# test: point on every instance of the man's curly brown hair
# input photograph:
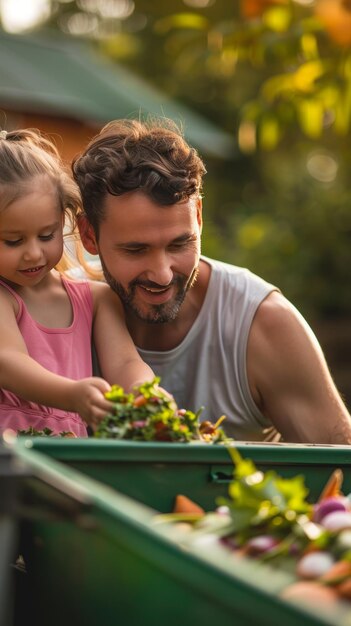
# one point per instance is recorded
(128, 155)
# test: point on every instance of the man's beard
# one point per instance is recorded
(159, 313)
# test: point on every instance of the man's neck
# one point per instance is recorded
(162, 337)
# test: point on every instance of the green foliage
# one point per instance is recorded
(286, 225)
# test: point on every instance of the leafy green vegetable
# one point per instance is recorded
(152, 415)
(46, 432)
(265, 503)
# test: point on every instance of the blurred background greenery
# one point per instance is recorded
(275, 75)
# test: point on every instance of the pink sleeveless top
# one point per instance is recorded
(64, 351)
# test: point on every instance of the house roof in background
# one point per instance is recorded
(58, 75)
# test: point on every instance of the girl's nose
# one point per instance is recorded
(32, 251)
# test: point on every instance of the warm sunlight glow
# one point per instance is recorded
(20, 15)
(323, 167)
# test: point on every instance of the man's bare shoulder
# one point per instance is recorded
(276, 315)
(280, 341)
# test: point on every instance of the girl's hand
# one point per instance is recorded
(89, 401)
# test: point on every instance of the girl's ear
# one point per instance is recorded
(87, 234)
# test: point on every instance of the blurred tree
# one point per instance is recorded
(259, 67)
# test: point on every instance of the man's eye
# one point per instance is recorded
(12, 243)
(180, 244)
(46, 237)
(133, 250)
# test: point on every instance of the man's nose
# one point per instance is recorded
(160, 269)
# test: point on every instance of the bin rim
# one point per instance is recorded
(179, 453)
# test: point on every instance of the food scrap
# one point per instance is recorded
(152, 415)
(269, 518)
(46, 432)
(149, 414)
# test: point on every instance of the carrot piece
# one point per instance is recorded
(332, 486)
(340, 571)
(345, 588)
(139, 401)
(183, 504)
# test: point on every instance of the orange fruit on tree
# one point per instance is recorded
(335, 15)
(255, 8)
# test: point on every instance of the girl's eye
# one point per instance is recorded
(12, 243)
(46, 237)
(17, 242)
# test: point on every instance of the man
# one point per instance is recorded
(219, 336)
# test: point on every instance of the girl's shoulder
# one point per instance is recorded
(103, 294)
(98, 288)
(79, 292)
(9, 298)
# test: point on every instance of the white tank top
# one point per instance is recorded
(208, 368)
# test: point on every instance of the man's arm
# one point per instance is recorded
(289, 377)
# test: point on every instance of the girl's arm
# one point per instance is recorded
(26, 378)
(118, 357)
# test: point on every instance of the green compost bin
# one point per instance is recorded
(11, 473)
(94, 556)
(154, 473)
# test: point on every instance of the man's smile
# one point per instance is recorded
(154, 295)
(155, 289)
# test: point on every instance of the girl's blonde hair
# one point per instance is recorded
(26, 154)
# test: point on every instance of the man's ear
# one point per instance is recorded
(87, 234)
(199, 212)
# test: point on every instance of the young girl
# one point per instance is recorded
(47, 320)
